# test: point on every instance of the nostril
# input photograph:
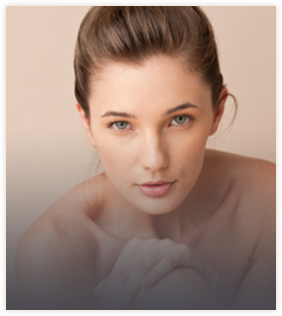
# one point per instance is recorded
(153, 155)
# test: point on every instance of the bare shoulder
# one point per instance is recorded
(251, 189)
(239, 161)
(58, 243)
(253, 186)
(251, 212)
(66, 217)
(255, 176)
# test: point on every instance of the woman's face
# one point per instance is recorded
(150, 124)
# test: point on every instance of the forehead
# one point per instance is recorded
(160, 80)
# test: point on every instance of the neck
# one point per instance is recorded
(142, 225)
(123, 220)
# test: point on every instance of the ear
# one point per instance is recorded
(86, 124)
(218, 113)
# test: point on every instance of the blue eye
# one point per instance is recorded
(180, 120)
(120, 125)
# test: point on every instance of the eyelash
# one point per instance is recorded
(187, 117)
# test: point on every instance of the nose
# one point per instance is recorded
(154, 153)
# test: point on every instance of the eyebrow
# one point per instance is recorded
(123, 114)
(168, 112)
(180, 107)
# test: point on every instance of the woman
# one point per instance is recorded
(168, 224)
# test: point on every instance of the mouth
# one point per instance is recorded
(156, 189)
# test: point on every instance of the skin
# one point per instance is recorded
(221, 206)
(153, 146)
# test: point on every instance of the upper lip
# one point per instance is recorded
(156, 182)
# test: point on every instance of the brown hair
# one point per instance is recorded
(132, 34)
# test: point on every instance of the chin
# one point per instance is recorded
(158, 206)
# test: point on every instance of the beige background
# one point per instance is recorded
(47, 151)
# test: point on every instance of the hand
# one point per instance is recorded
(143, 262)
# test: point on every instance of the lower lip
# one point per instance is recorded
(156, 190)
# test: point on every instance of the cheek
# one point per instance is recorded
(192, 158)
(190, 145)
(115, 158)
(188, 157)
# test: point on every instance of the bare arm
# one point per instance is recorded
(258, 287)
(38, 280)
(182, 289)
(56, 253)
(173, 287)
(50, 271)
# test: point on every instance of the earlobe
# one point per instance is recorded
(86, 124)
(218, 113)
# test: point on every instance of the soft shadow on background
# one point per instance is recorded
(47, 151)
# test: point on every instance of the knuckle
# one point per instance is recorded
(154, 274)
(134, 240)
(153, 241)
(183, 248)
(119, 273)
(170, 261)
(167, 242)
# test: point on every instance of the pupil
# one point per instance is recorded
(121, 124)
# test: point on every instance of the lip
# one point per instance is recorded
(156, 188)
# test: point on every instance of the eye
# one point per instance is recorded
(120, 125)
(180, 120)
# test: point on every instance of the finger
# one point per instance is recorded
(118, 295)
(124, 280)
(98, 290)
(126, 256)
(107, 293)
(178, 256)
(119, 289)
(197, 261)
(166, 265)
(202, 265)
(127, 286)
